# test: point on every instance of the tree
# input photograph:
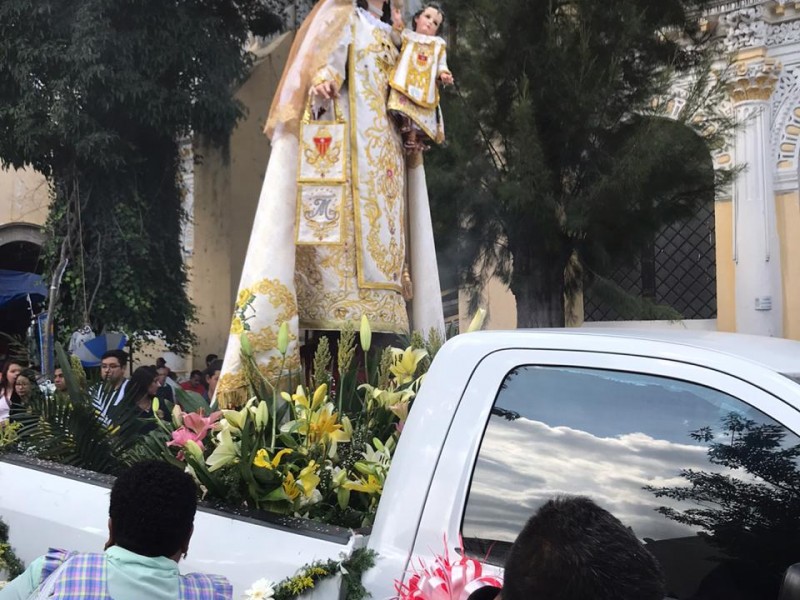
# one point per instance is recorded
(751, 510)
(96, 95)
(560, 162)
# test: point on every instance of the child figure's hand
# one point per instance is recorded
(397, 18)
(447, 78)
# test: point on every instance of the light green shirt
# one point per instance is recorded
(130, 577)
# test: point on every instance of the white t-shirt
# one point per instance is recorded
(102, 404)
(5, 407)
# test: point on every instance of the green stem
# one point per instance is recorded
(275, 393)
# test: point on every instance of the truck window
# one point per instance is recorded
(710, 484)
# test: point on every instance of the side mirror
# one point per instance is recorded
(790, 589)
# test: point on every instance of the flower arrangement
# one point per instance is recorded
(446, 579)
(307, 577)
(321, 450)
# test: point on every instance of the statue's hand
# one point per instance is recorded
(447, 78)
(326, 89)
(397, 19)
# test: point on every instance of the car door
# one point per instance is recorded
(651, 440)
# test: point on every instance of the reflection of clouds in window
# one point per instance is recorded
(523, 463)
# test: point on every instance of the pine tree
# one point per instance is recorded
(96, 94)
(561, 163)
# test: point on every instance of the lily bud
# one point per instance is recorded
(244, 343)
(192, 449)
(365, 333)
(477, 321)
(156, 405)
(283, 338)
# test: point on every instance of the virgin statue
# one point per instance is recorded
(324, 252)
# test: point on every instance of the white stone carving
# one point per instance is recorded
(744, 28)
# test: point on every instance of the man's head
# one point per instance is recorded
(212, 376)
(161, 362)
(196, 378)
(572, 549)
(210, 358)
(58, 380)
(112, 366)
(163, 372)
(152, 510)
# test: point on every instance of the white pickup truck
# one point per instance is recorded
(692, 439)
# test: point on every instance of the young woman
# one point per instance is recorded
(10, 372)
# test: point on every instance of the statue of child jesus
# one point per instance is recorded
(414, 96)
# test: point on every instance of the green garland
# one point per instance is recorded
(307, 577)
(9, 561)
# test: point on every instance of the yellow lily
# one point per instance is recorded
(405, 363)
(306, 482)
(371, 486)
(263, 460)
(324, 426)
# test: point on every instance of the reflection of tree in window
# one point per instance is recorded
(753, 518)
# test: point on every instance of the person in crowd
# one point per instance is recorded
(210, 358)
(112, 390)
(212, 378)
(59, 381)
(24, 387)
(572, 549)
(164, 391)
(195, 384)
(11, 369)
(142, 552)
(143, 387)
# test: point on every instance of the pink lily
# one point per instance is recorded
(199, 424)
(182, 435)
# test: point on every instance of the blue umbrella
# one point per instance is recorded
(91, 350)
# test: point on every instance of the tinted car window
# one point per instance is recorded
(709, 484)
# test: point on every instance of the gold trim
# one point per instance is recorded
(334, 325)
(423, 104)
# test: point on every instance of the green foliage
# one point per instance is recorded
(65, 428)
(95, 94)
(309, 576)
(559, 145)
(9, 561)
(750, 512)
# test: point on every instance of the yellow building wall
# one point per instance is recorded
(227, 184)
(788, 216)
(24, 197)
(726, 272)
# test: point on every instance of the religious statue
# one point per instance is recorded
(343, 224)
(414, 97)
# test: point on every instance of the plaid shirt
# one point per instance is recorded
(74, 576)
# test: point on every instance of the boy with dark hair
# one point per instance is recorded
(572, 549)
(143, 549)
(112, 389)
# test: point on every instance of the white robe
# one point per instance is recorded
(384, 206)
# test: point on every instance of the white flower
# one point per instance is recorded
(261, 589)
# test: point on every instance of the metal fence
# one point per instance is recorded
(677, 269)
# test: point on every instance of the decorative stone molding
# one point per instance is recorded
(744, 28)
(21, 232)
(754, 81)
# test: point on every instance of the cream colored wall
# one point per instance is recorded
(226, 189)
(499, 302)
(788, 216)
(24, 197)
(726, 275)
